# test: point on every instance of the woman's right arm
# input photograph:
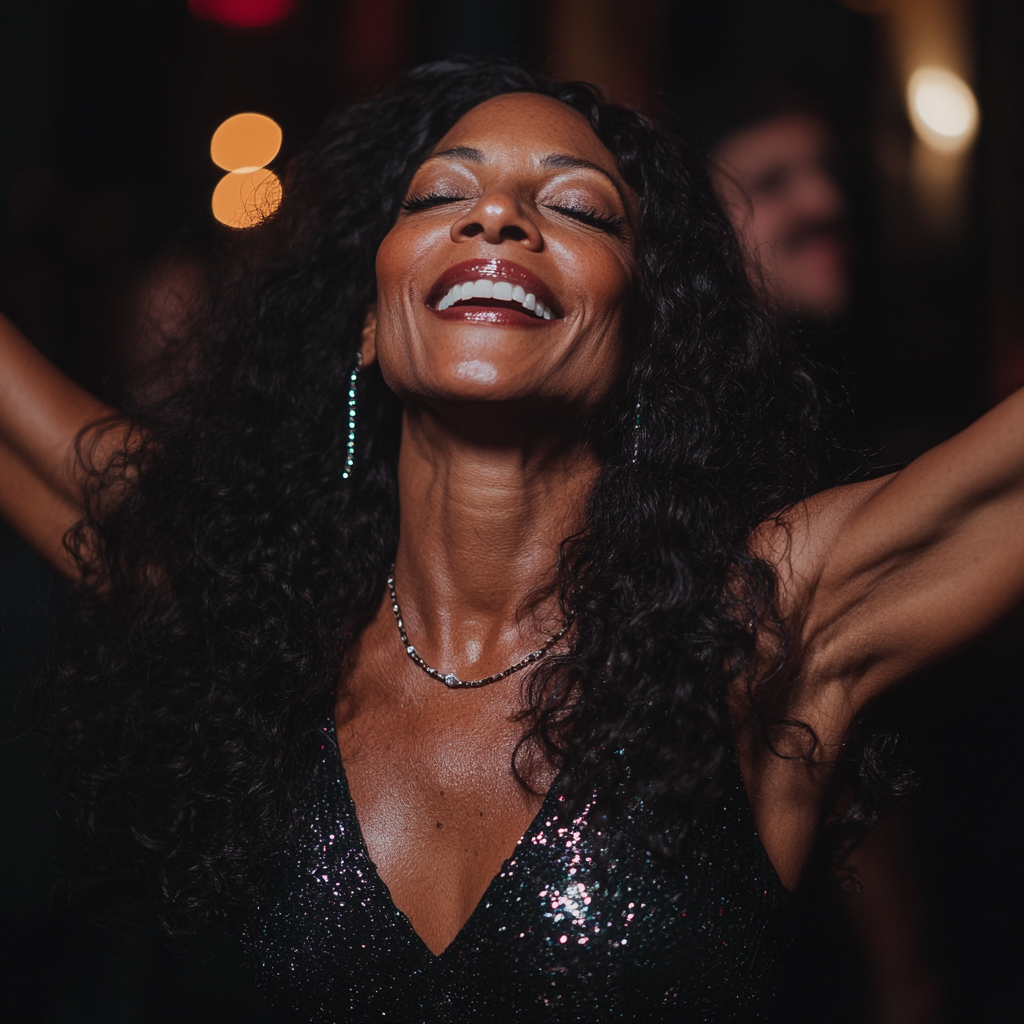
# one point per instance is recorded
(42, 413)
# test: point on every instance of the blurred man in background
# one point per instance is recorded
(775, 178)
(773, 163)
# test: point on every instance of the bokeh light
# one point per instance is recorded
(242, 13)
(243, 199)
(245, 142)
(942, 109)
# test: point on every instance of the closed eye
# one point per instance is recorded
(612, 225)
(413, 204)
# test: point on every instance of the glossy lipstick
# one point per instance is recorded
(492, 291)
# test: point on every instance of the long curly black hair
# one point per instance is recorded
(227, 564)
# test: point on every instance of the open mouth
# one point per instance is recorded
(493, 295)
(496, 291)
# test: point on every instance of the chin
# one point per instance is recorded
(468, 367)
(470, 379)
(476, 373)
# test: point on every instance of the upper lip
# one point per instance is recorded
(495, 270)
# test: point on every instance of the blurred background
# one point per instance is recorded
(871, 154)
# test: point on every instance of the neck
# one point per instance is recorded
(482, 518)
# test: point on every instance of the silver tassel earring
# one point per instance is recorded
(350, 452)
(636, 434)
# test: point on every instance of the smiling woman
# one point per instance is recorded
(519, 697)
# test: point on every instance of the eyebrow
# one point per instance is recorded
(467, 153)
(560, 161)
(551, 162)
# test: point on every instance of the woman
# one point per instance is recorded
(573, 473)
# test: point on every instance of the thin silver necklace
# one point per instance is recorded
(450, 679)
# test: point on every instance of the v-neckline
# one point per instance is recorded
(542, 812)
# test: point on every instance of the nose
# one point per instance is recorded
(821, 194)
(498, 217)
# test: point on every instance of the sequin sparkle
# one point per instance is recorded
(579, 925)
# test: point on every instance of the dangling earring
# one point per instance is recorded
(350, 454)
(636, 434)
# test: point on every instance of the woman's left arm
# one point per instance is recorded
(880, 579)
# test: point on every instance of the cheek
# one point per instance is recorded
(772, 220)
(388, 268)
(403, 265)
(608, 289)
(598, 275)
(606, 285)
(392, 271)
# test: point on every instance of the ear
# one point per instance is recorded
(368, 346)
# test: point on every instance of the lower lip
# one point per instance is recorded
(490, 315)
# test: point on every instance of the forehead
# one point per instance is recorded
(788, 138)
(524, 125)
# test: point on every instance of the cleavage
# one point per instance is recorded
(438, 806)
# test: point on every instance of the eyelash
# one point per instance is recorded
(612, 225)
(413, 204)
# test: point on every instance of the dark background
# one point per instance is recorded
(107, 109)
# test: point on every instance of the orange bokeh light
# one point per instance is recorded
(243, 199)
(245, 142)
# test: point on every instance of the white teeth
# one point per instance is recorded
(502, 291)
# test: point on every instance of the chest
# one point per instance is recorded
(438, 804)
(578, 923)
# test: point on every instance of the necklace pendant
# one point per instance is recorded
(450, 679)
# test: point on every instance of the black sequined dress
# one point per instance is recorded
(552, 939)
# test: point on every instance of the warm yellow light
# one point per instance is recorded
(245, 142)
(242, 199)
(942, 109)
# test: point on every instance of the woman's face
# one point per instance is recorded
(506, 274)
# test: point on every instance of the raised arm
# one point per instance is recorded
(882, 578)
(42, 413)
